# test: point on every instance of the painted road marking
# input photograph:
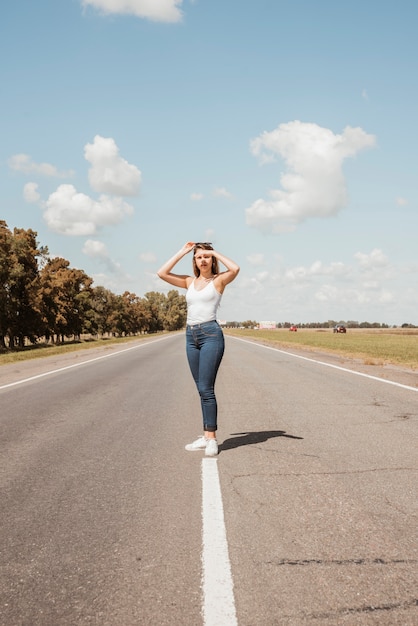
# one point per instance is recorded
(217, 585)
(337, 367)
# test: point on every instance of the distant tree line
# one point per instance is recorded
(332, 323)
(327, 324)
(44, 298)
(348, 324)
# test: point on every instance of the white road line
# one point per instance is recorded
(217, 585)
(337, 367)
(68, 367)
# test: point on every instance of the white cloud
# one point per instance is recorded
(369, 262)
(196, 197)
(72, 213)
(109, 172)
(23, 163)
(97, 250)
(401, 201)
(112, 280)
(313, 183)
(318, 268)
(327, 293)
(221, 192)
(256, 259)
(156, 10)
(361, 296)
(262, 277)
(369, 288)
(386, 297)
(30, 192)
(320, 291)
(210, 235)
(148, 257)
(365, 95)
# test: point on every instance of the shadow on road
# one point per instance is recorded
(249, 438)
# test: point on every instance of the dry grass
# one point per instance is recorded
(375, 347)
(43, 349)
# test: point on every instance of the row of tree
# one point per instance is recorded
(327, 324)
(44, 298)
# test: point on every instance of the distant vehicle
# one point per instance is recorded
(339, 328)
(294, 328)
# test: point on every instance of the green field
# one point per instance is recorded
(374, 347)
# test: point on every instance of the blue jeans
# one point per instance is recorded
(205, 346)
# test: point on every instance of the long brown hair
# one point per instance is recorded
(204, 246)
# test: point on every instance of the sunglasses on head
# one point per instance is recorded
(204, 243)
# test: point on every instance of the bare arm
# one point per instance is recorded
(178, 280)
(224, 278)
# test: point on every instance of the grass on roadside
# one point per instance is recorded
(47, 349)
(374, 347)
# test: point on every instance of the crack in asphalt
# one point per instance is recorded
(403, 417)
(340, 473)
(392, 606)
(360, 561)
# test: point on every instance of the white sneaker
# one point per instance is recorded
(211, 447)
(199, 444)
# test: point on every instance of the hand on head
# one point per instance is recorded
(188, 246)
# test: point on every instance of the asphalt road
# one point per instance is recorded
(101, 506)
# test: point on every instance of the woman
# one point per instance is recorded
(204, 336)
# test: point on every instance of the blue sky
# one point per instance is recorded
(284, 132)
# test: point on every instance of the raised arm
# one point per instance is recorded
(224, 278)
(165, 273)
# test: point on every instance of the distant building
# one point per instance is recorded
(267, 325)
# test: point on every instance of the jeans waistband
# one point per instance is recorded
(202, 325)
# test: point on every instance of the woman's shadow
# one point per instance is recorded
(249, 438)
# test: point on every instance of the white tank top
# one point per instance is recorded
(202, 304)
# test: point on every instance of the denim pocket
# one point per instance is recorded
(211, 329)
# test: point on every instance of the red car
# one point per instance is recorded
(294, 328)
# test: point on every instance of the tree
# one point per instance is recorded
(141, 315)
(5, 267)
(175, 313)
(99, 317)
(19, 302)
(155, 304)
(136, 314)
(249, 324)
(66, 299)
